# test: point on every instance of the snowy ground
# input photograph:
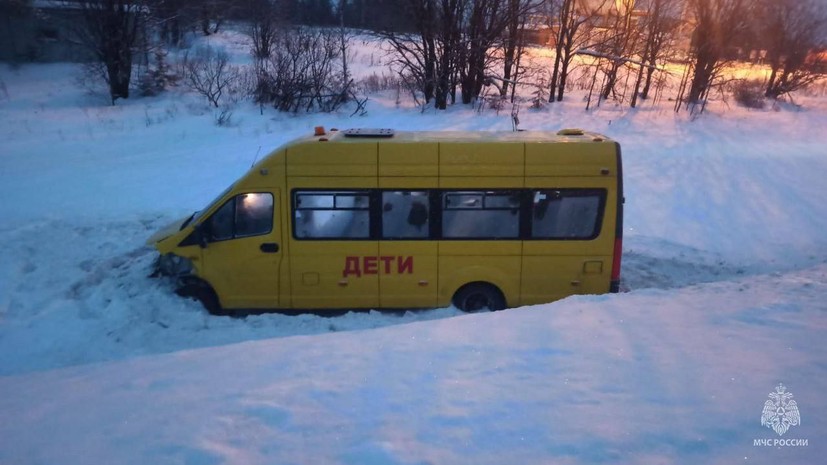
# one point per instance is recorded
(650, 376)
(725, 256)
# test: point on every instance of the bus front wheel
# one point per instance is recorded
(478, 296)
(202, 292)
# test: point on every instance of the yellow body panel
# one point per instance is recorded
(241, 275)
(369, 272)
(320, 277)
(415, 182)
(470, 182)
(327, 159)
(487, 159)
(414, 289)
(552, 277)
(414, 159)
(571, 159)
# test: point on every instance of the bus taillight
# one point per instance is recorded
(615, 284)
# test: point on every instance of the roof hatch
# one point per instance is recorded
(368, 132)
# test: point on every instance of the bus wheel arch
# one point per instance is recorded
(477, 295)
(203, 292)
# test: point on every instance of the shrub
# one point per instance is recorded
(377, 83)
(749, 93)
(302, 73)
(157, 76)
(209, 73)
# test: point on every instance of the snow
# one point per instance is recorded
(644, 377)
(725, 260)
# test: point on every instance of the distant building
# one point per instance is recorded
(603, 16)
(537, 30)
(41, 30)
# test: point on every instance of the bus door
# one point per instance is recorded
(243, 250)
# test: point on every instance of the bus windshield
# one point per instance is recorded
(199, 213)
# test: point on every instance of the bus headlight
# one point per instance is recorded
(174, 265)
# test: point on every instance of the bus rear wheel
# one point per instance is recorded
(478, 296)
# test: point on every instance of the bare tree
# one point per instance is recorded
(520, 14)
(112, 30)
(451, 49)
(301, 73)
(793, 30)
(345, 36)
(172, 18)
(661, 21)
(264, 26)
(454, 45)
(717, 23)
(570, 21)
(212, 14)
(430, 57)
(485, 25)
(210, 73)
(513, 44)
(619, 44)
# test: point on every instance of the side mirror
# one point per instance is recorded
(200, 236)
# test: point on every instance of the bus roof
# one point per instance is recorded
(363, 135)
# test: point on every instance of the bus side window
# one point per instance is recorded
(405, 215)
(253, 214)
(331, 215)
(480, 215)
(567, 213)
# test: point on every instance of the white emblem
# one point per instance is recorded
(781, 411)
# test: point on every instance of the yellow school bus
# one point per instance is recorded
(376, 218)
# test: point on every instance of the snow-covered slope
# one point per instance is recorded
(724, 256)
(644, 377)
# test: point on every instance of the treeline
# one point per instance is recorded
(180, 16)
(464, 45)
(450, 51)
